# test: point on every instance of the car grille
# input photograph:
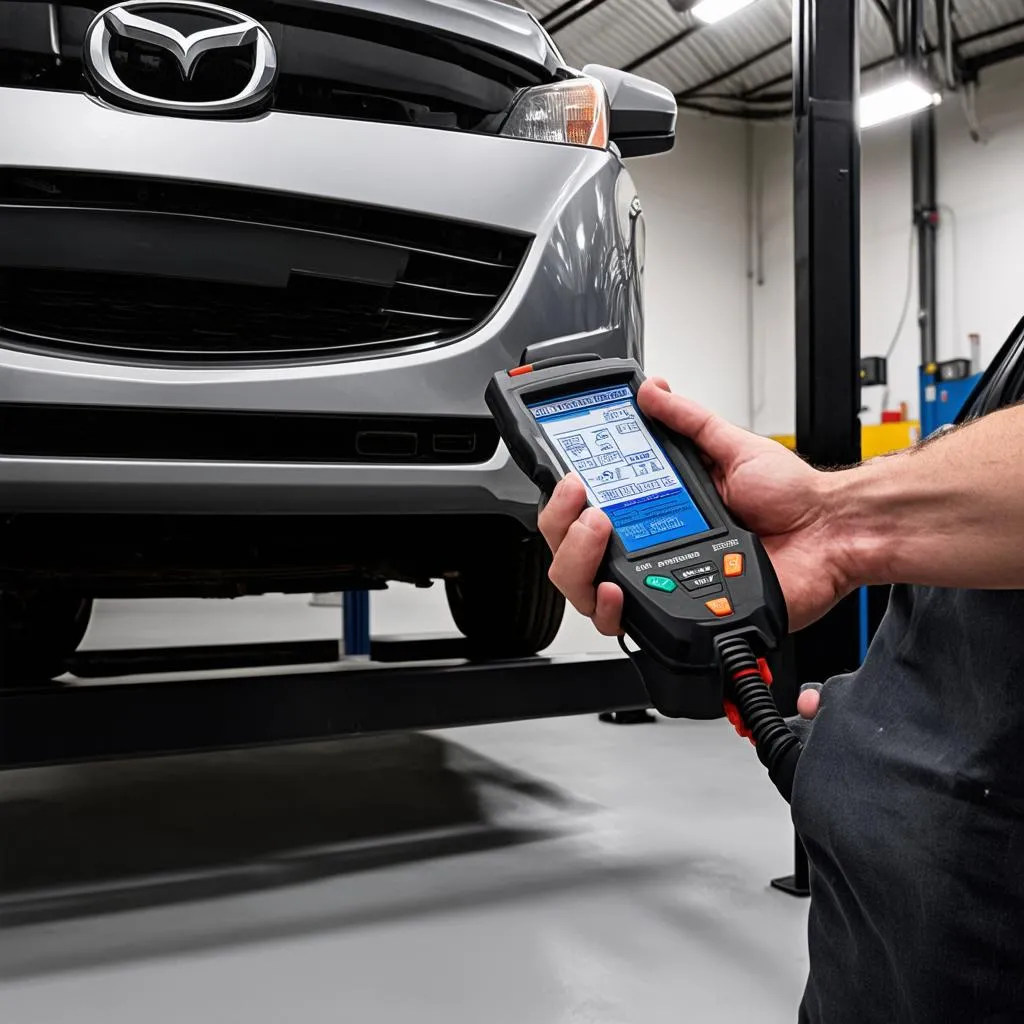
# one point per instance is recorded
(110, 432)
(333, 62)
(444, 278)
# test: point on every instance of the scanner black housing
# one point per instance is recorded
(675, 630)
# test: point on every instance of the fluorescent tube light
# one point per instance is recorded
(710, 11)
(898, 99)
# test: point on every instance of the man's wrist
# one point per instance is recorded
(859, 528)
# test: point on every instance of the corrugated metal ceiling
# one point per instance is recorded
(746, 52)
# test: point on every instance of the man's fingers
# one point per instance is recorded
(578, 558)
(562, 510)
(808, 702)
(717, 437)
(607, 615)
(578, 536)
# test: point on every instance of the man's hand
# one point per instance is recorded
(771, 490)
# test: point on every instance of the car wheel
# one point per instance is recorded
(38, 633)
(507, 607)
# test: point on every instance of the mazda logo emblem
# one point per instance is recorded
(230, 30)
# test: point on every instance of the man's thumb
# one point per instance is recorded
(720, 440)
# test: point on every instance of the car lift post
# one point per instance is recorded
(826, 209)
(355, 623)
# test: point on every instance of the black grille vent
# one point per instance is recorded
(108, 432)
(450, 279)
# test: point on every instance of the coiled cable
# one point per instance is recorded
(778, 749)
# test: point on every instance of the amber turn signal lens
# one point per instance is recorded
(574, 112)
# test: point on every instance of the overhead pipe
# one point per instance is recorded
(890, 21)
(924, 197)
(993, 57)
(926, 222)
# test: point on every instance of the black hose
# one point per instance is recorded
(777, 748)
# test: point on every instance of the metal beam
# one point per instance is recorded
(546, 19)
(988, 33)
(662, 47)
(557, 26)
(741, 115)
(730, 72)
(975, 37)
(771, 97)
(777, 80)
(105, 721)
(972, 65)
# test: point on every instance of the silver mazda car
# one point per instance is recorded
(257, 266)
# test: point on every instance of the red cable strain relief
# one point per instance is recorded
(736, 720)
(733, 713)
(747, 672)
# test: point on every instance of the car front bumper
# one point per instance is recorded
(567, 297)
(121, 485)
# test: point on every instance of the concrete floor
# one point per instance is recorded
(558, 871)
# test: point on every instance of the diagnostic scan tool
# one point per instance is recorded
(701, 599)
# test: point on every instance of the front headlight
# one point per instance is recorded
(574, 112)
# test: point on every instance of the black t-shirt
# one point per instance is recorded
(910, 800)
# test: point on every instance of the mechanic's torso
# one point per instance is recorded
(910, 800)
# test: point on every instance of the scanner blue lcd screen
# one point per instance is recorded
(602, 436)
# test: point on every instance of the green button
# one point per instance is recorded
(661, 583)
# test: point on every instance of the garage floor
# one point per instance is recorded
(529, 873)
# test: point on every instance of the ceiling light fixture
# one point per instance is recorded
(897, 99)
(710, 11)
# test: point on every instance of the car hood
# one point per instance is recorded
(497, 26)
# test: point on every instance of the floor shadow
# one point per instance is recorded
(97, 838)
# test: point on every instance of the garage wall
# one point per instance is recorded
(979, 268)
(694, 206)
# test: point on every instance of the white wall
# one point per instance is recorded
(979, 276)
(694, 201)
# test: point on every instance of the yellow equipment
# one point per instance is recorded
(875, 439)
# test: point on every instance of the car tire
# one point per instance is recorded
(507, 607)
(38, 634)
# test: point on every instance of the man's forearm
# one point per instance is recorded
(948, 513)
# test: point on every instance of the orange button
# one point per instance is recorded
(520, 370)
(720, 606)
(732, 565)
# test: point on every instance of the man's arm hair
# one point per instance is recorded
(948, 512)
